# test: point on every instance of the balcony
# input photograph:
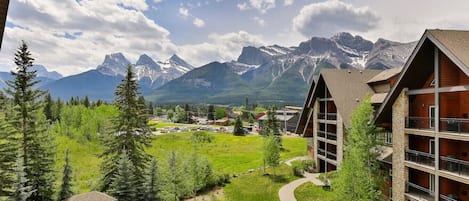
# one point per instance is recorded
(331, 136)
(420, 157)
(322, 134)
(448, 198)
(327, 116)
(419, 122)
(321, 152)
(454, 125)
(419, 192)
(453, 165)
(331, 156)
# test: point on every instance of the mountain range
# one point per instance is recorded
(267, 74)
(273, 74)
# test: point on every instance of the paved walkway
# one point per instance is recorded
(287, 192)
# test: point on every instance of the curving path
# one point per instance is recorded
(287, 192)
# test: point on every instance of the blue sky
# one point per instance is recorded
(72, 36)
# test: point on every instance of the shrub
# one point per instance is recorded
(201, 137)
(309, 166)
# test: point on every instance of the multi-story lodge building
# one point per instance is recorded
(330, 102)
(428, 112)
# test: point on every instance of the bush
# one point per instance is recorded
(327, 177)
(297, 168)
(309, 166)
(201, 137)
(298, 171)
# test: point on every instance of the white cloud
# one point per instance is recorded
(243, 6)
(259, 21)
(220, 47)
(199, 23)
(183, 11)
(261, 5)
(288, 2)
(330, 17)
(70, 36)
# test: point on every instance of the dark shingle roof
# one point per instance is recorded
(348, 88)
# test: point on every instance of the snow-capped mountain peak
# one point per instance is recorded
(114, 64)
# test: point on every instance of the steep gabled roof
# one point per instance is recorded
(347, 88)
(385, 75)
(304, 113)
(3, 17)
(453, 43)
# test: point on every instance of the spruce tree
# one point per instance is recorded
(66, 187)
(8, 148)
(86, 102)
(29, 121)
(211, 113)
(124, 186)
(238, 127)
(48, 105)
(359, 176)
(153, 185)
(21, 189)
(130, 132)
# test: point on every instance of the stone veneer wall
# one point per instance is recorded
(315, 133)
(400, 110)
(340, 139)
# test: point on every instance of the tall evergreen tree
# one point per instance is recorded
(29, 120)
(130, 132)
(48, 107)
(66, 187)
(151, 110)
(8, 148)
(153, 185)
(211, 113)
(21, 189)
(238, 127)
(86, 101)
(123, 186)
(359, 176)
(187, 114)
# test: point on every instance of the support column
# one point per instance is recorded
(315, 133)
(437, 123)
(340, 139)
(400, 111)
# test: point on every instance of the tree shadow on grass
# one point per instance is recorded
(278, 178)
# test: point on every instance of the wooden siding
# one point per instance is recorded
(450, 74)
(454, 148)
(420, 178)
(419, 143)
(450, 187)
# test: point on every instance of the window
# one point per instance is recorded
(431, 146)
(388, 137)
(432, 183)
(431, 115)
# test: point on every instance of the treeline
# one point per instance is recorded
(30, 120)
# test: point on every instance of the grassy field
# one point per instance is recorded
(228, 154)
(311, 192)
(163, 124)
(257, 187)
